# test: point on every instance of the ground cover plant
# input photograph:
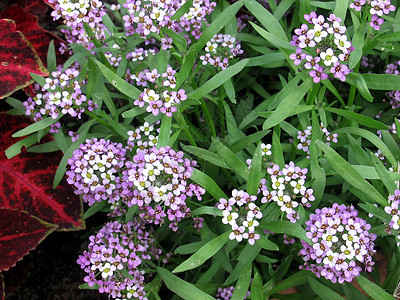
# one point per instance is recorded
(238, 149)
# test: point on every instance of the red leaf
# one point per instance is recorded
(49, 4)
(19, 233)
(36, 7)
(17, 60)
(26, 182)
(2, 293)
(38, 37)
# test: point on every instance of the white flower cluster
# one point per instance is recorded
(304, 138)
(77, 7)
(145, 136)
(241, 214)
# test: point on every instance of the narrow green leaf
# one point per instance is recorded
(266, 19)
(247, 140)
(44, 148)
(341, 8)
(203, 254)
(130, 213)
(36, 127)
(232, 160)
(382, 82)
(96, 207)
(375, 291)
(277, 152)
(207, 155)
(361, 119)
(51, 58)
(243, 283)
(217, 80)
(131, 113)
(189, 248)
(358, 44)
(348, 173)
(16, 148)
(256, 287)
(266, 244)
(207, 210)
(359, 82)
(288, 105)
(266, 59)
(373, 139)
(273, 39)
(120, 84)
(230, 90)
(383, 173)
(323, 291)
(288, 228)
(296, 279)
(165, 132)
(181, 287)
(255, 172)
(208, 183)
(182, 10)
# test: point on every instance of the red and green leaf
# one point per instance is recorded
(17, 59)
(38, 37)
(20, 232)
(36, 7)
(26, 182)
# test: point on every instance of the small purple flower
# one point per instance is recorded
(318, 74)
(376, 22)
(298, 56)
(339, 71)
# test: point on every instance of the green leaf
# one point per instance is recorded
(382, 82)
(36, 127)
(348, 173)
(182, 10)
(120, 84)
(266, 59)
(44, 148)
(131, 212)
(254, 178)
(288, 104)
(247, 140)
(165, 132)
(341, 9)
(375, 291)
(243, 283)
(383, 173)
(296, 279)
(360, 119)
(51, 58)
(203, 254)
(358, 44)
(208, 184)
(217, 80)
(359, 82)
(16, 148)
(256, 287)
(266, 19)
(189, 248)
(96, 207)
(207, 210)
(274, 40)
(181, 287)
(373, 139)
(232, 160)
(323, 291)
(131, 113)
(289, 228)
(230, 90)
(266, 244)
(277, 152)
(207, 155)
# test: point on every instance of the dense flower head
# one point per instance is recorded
(304, 138)
(147, 17)
(393, 211)
(94, 167)
(227, 292)
(75, 14)
(115, 251)
(394, 96)
(157, 180)
(287, 187)
(322, 47)
(340, 243)
(159, 94)
(61, 95)
(220, 49)
(241, 213)
(143, 137)
(375, 9)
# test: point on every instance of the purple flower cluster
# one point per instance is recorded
(304, 138)
(322, 43)
(75, 14)
(375, 8)
(61, 95)
(393, 68)
(220, 49)
(115, 257)
(241, 213)
(157, 181)
(341, 241)
(147, 17)
(287, 187)
(227, 292)
(159, 94)
(146, 136)
(94, 168)
(394, 212)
